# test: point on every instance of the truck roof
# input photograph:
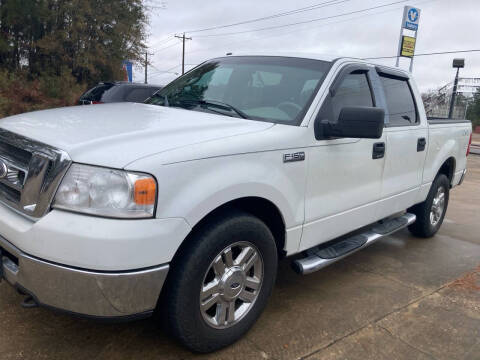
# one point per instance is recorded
(315, 56)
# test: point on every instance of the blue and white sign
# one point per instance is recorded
(411, 18)
(127, 67)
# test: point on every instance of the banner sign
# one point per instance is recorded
(411, 18)
(128, 70)
(408, 46)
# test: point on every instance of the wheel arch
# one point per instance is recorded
(448, 168)
(260, 207)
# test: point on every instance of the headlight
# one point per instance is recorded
(107, 192)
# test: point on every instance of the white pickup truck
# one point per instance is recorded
(186, 203)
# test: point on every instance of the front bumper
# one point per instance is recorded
(95, 294)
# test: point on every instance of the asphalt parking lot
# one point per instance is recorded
(401, 298)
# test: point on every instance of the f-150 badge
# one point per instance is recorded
(298, 156)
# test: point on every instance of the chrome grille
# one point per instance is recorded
(34, 171)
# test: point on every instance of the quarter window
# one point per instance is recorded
(353, 91)
(401, 108)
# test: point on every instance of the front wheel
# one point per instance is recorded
(431, 212)
(221, 281)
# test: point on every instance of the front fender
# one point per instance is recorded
(193, 189)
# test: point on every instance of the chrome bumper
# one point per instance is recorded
(88, 293)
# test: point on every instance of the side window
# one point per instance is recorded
(354, 90)
(400, 104)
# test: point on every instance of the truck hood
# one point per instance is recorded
(115, 135)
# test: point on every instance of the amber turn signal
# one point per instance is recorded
(145, 192)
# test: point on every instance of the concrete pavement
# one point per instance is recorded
(401, 298)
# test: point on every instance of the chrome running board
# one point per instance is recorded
(321, 256)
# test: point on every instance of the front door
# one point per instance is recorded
(344, 179)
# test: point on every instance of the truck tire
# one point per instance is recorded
(220, 282)
(431, 212)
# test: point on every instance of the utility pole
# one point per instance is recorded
(458, 64)
(183, 38)
(146, 66)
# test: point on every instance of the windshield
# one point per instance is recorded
(274, 89)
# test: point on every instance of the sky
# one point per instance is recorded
(445, 25)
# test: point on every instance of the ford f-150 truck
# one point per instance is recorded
(184, 205)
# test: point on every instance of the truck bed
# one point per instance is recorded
(437, 121)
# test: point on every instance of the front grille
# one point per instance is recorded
(10, 193)
(19, 155)
(34, 171)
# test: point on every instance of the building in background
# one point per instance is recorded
(437, 102)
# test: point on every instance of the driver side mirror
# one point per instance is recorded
(359, 122)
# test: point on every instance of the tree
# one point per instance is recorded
(473, 111)
(88, 39)
(52, 50)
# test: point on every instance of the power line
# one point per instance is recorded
(164, 41)
(172, 68)
(157, 69)
(287, 13)
(306, 21)
(426, 54)
(277, 34)
(291, 12)
(166, 47)
(163, 73)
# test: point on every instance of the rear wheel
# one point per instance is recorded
(431, 212)
(221, 281)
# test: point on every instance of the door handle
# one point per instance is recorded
(421, 143)
(378, 150)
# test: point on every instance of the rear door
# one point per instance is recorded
(406, 143)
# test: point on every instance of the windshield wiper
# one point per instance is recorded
(220, 104)
(204, 104)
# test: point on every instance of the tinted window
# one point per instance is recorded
(400, 104)
(354, 90)
(108, 93)
(275, 89)
(96, 93)
(139, 94)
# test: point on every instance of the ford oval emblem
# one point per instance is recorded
(3, 170)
